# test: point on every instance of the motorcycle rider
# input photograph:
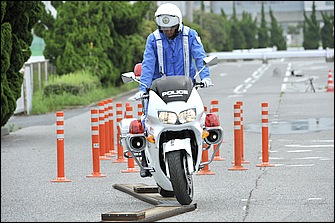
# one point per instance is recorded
(172, 49)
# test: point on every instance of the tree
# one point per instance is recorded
(104, 37)
(263, 36)
(276, 38)
(214, 34)
(227, 42)
(327, 31)
(311, 31)
(249, 29)
(236, 33)
(17, 21)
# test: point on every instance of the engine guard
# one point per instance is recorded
(213, 154)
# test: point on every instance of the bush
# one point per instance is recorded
(59, 89)
(72, 90)
(77, 83)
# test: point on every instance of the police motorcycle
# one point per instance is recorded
(172, 133)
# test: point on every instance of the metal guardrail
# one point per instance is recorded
(265, 54)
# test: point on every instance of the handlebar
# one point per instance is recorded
(144, 96)
(200, 84)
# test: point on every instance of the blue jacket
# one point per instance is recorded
(173, 57)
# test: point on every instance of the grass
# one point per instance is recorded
(11, 127)
(91, 92)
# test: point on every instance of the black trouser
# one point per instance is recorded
(144, 160)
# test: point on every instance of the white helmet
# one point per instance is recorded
(168, 15)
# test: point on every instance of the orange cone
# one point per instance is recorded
(330, 85)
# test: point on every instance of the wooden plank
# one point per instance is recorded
(145, 189)
(156, 213)
(123, 216)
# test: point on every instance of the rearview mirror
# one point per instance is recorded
(211, 60)
(208, 61)
(128, 77)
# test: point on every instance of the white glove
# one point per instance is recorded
(139, 95)
(207, 82)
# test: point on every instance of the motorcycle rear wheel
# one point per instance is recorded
(180, 177)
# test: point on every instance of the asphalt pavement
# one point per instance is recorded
(299, 188)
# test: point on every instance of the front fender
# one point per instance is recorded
(180, 144)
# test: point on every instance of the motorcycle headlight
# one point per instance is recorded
(167, 117)
(187, 116)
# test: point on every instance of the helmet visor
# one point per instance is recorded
(166, 22)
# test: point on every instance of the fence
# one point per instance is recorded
(36, 72)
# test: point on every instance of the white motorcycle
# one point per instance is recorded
(169, 139)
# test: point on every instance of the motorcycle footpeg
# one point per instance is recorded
(145, 172)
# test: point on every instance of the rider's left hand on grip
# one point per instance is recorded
(139, 95)
(207, 82)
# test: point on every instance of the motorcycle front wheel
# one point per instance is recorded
(165, 193)
(180, 177)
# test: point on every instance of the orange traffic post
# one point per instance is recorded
(242, 135)
(107, 131)
(128, 111)
(120, 156)
(237, 139)
(111, 126)
(330, 83)
(102, 133)
(60, 148)
(204, 158)
(265, 136)
(131, 165)
(95, 144)
(131, 162)
(215, 109)
(139, 111)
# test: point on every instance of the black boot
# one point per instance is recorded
(144, 172)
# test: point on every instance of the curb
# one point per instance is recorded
(4, 131)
